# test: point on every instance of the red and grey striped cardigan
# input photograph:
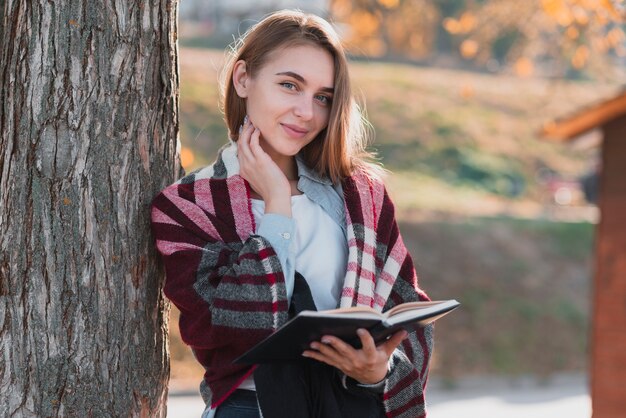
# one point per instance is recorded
(229, 285)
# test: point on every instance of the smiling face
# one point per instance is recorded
(289, 97)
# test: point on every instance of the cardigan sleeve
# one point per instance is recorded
(279, 231)
(230, 294)
(404, 387)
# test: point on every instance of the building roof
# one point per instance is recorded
(586, 119)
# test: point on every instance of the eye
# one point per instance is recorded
(288, 85)
(325, 100)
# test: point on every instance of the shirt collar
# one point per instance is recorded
(304, 170)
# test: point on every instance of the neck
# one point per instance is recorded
(286, 163)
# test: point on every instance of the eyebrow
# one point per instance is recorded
(302, 80)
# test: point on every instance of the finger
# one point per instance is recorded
(316, 355)
(392, 343)
(255, 147)
(341, 347)
(244, 145)
(245, 128)
(369, 346)
(328, 351)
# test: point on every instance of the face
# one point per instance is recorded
(289, 98)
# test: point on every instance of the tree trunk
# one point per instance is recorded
(88, 134)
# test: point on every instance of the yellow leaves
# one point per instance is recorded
(365, 33)
(599, 44)
(601, 19)
(363, 23)
(581, 55)
(580, 12)
(551, 7)
(467, 91)
(467, 21)
(610, 8)
(417, 41)
(615, 37)
(389, 4)
(524, 67)
(374, 47)
(186, 157)
(464, 24)
(564, 17)
(580, 15)
(340, 7)
(585, 24)
(558, 10)
(572, 32)
(469, 48)
(452, 25)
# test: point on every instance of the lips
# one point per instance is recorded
(294, 131)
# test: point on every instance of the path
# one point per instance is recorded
(562, 396)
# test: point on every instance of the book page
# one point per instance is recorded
(410, 306)
(354, 312)
(353, 309)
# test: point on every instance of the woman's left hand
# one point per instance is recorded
(367, 365)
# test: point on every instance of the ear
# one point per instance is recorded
(240, 78)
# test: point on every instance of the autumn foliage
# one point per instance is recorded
(546, 37)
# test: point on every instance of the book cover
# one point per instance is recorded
(289, 341)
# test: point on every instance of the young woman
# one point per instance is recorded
(290, 216)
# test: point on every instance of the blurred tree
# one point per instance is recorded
(560, 37)
(556, 37)
(389, 28)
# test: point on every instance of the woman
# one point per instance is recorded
(290, 216)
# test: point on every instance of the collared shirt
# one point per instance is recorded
(279, 230)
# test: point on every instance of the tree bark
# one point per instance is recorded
(88, 135)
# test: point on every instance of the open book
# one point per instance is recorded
(289, 341)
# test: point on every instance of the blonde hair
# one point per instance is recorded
(339, 149)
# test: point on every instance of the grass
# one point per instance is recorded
(524, 289)
(523, 286)
(470, 131)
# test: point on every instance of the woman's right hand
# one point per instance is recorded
(263, 174)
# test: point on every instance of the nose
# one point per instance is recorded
(303, 108)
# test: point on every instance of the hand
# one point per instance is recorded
(263, 174)
(367, 365)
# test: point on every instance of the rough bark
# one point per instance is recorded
(88, 134)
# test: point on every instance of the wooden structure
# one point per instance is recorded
(608, 343)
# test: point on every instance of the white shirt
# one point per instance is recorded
(318, 250)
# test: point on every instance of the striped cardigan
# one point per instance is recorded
(229, 286)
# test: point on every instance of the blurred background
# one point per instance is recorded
(495, 215)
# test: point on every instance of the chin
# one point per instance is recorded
(288, 148)
(289, 152)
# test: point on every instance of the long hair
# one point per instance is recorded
(339, 149)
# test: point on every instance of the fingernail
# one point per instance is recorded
(245, 120)
(305, 354)
(314, 346)
(326, 340)
(240, 129)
